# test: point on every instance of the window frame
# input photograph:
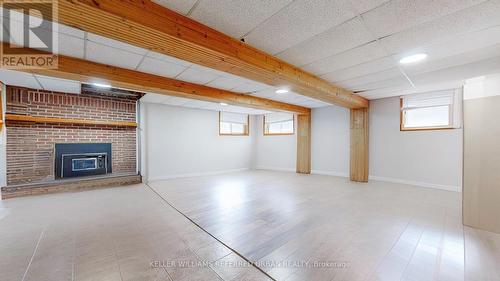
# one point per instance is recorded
(247, 127)
(277, 134)
(402, 128)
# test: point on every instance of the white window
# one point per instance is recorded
(278, 124)
(233, 124)
(431, 111)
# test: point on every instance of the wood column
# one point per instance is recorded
(359, 145)
(304, 143)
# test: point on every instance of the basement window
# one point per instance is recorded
(431, 111)
(278, 124)
(233, 124)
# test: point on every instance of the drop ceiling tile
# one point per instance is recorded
(153, 98)
(16, 78)
(360, 70)
(370, 78)
(340, 38)
(460, 72)
(359, 55)
(71, 46)
(169, 59)
(196, 76)
(115, 44)
(398, 15)
(226, 83)
(159, 67)
(236, 18)
(180, 6)
(476, 18)
(59, 85)
(399, 81)
(249, 87)
(71, 31)
(112, 56)
(440, 62)
(297, 22)
(363, 6)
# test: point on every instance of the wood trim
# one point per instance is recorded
(403, 129)
(55, 120)
(283, 134)
(247, 133)
(148, 25)
(88, 72)
(359, 147)
(304, 143)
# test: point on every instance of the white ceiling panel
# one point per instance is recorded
(180, 6)
(399, 81)
(249, 87)
(238, 17)
(343, 37)
(112, 56)
(71, 31)
(71, 46)
(359, 55)
(461, 72)
(21, 79)
(159, 67)
(371, 78)
(362, 6)
(59, 85)
(475, 18)
(196, 76)
(169, 59)
(297, 22)
(398, 15)
(115, 44)
(360, 70)
(226, 83)
(453, 60)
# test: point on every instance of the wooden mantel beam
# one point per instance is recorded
(90, 72)
(146, 24)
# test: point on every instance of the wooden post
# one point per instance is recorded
(304, 143)
(359, 145)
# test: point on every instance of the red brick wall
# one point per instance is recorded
(30, 146)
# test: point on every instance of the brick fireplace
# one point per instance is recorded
(37, 120)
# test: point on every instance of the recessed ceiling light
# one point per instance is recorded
(413, 58)
(282, 91)
(223, 104)
(101, 85)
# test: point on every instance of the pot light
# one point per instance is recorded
(101, 85)
(223, 104)
(413, 58)
(282, 91)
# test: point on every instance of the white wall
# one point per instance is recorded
(179, 141)
(274, 152)
(3, 139)
(330, 141)
(426, 158)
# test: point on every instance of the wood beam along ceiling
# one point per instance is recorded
(148, 25)
(89, 72)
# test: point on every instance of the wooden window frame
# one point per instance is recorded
(279, 134)
(247, 129)
(430, 128)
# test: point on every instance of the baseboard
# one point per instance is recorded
(275, 169)
(187, 175)
(330, 173)
(416, 183)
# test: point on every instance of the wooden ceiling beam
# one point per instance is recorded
(90, 72)
(148, 25)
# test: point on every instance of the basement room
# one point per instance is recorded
(199, 140)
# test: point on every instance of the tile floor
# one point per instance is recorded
(295, 227)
